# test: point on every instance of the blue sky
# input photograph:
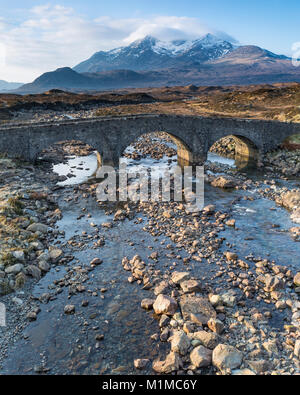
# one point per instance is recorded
(37, 36)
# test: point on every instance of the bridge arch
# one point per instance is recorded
(184, 152)
(246, 152)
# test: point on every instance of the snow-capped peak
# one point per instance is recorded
(175, 47)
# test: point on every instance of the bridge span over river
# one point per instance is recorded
(193, 136)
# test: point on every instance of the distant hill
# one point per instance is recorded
(68, 79)
(6, 86)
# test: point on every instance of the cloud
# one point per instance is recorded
(55, 36)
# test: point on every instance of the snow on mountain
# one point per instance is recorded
(150, 53)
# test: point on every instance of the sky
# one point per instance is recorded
(40, 36)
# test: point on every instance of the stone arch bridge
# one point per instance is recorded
(194, 136)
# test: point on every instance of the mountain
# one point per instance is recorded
(150, 62)
(5, 86)
(152, 54)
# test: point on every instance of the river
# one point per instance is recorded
(67, 344)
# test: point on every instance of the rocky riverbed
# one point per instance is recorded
(150, 287)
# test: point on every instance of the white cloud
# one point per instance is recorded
(56, 36)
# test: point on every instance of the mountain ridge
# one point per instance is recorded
(152, 63)
(150, 53)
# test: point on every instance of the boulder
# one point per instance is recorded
(147, 304)
(196, 309)
(226, 357)
(19, 256)
(171, 364)
(55, 255)
(179, 277)
(34, 272)
(141, 363)
(201, 357)
(37, 227)
(180, 342)
(207, 339)
(14, 269)
(165, 305)
(223, 182)
(190, 286)
(297, 280)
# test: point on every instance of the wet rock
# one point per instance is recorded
(171, 364)
(295, 216)
(37, 227)
(180, 342)
(14, 269)
(273, 283)
(34, 272)
(190, 286)
(295, 233)
(226, 357)
(290, 200)
(165, 305)
(162, 288)
(19, 256)
(96, 262)
(69, 309)
(164, 335)
(164, 321)
(32, 316)
(141, 363)
(178, 277)
(147, 304)
(223, 182)
(231, 256)
(107, 225)
(55, 255)
(20, 280)
(210, 209)
(201, 357)
(119, 215)
(44, 266)
(154, 256)
(44, 257)
(297, 280)
(4, 287)
(198, 308)
(231, 222)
